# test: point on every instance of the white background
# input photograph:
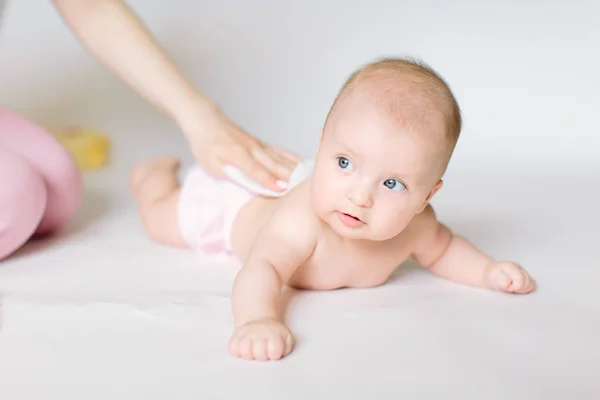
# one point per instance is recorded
(100, 312)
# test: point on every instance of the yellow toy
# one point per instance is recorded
(88, 147)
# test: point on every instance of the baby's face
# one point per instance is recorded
(371, 176)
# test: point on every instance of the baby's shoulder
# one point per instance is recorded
(294, 212)
(423, 225)
(290, 229)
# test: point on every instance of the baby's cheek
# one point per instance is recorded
(386, 229)
(326, 194)
(318, 193)
(390, 221)
(322, 180)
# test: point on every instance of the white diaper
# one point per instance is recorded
(208, 206)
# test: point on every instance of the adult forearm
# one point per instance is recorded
(118, 39)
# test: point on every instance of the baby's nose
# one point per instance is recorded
(361, 197)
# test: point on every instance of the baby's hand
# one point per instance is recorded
(509, 277)
(264, 339)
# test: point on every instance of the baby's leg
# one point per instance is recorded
(156, 188)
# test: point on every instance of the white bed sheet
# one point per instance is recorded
(104, 313)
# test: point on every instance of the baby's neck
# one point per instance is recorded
(360, 244)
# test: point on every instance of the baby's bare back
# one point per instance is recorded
(334, 263)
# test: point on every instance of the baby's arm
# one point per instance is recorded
(286, 241)
(453, 257)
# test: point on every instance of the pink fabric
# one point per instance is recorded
(63, 179)
(23, 198)
(41, 187)
(207, 210)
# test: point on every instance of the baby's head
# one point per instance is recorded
(384, 148)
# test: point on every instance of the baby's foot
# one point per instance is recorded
(509, 277)
(142, 171)
(261, 340)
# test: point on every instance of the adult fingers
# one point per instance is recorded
(287, 155)
(241, 158)
(277, 165)
(283, 157)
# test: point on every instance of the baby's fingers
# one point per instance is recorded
(518, 281)
(289, 344)
(532, 284)
(528, 285)
(246, 350)
(275, 348)
(501, 281)
(234, 345)
(259, 349)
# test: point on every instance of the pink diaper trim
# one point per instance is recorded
(207, 210)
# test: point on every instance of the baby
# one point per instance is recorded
(363, 210)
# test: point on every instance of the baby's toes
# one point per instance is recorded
(136, 177)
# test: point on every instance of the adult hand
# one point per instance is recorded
(216, 141)
(132, 54)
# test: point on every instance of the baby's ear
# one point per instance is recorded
(437, 187)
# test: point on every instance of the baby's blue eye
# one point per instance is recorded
(394, 184)
(344, 163)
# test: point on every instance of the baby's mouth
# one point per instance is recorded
(352, 216)
(350, 220)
